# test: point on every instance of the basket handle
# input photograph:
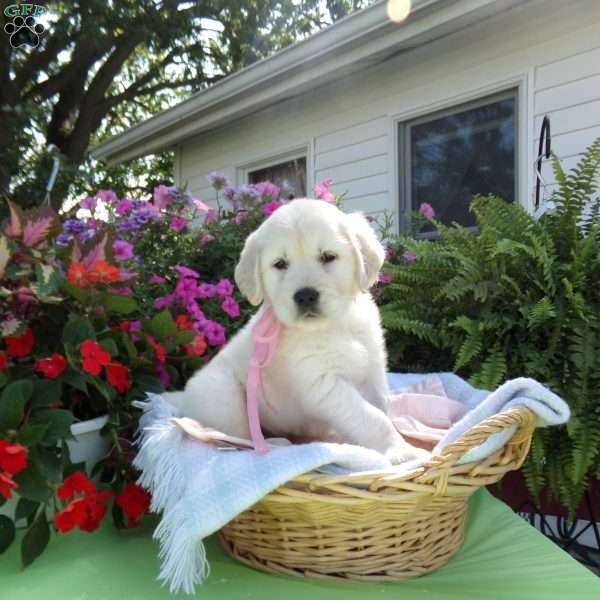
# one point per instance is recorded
(522, 417)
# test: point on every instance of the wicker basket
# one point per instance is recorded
(375, 526)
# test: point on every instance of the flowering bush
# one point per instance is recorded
(118, 298)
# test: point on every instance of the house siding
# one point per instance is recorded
(550, 50)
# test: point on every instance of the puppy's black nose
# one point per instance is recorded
(306, 298)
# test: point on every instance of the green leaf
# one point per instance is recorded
(58, 421)
(119, 304)
(148, 383)
(25, 508)
(76, 380)
(12, 403)
(7, 533)
(46, 392)
(3, 380)
(50, 461)
(32, 484)
(184, 337)
(5, 254)
(36, 539)
(163, 326)
(47, 280)
(30, 435)
(129, 346)
(110, 346)
(75, 292)
(107, 391)
(77, 330)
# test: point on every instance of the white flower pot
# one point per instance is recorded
(88, 446)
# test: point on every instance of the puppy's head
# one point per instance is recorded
(309, 260)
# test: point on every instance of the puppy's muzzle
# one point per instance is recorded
(307, 301)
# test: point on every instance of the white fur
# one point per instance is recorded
(327, 378)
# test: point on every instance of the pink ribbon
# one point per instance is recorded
(265, 335)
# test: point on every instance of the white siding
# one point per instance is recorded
(550, 49)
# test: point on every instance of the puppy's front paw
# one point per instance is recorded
(406, 453)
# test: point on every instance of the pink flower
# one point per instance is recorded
(178, 223)
(409, 257)
(186, 272)
(212, 216)
(224, 287)
(206, 239)
(271, 207)
(427, 210)
(200, 205)
(207, 290)
(389, 253)
(164, 301)
(384, 278)
(268, 189)
(322, 190)
(89, 203)
(124, 207)
(107, 196)
(162, 196)
(156, 279)
(240, 217)
(163, 375)
(123, 250)
(231, 307)
(214, 333)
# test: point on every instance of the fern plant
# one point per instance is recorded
(519, 297)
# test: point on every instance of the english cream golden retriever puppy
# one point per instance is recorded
(314, 265)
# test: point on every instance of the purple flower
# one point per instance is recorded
(409, 257)
(270, 208)
(140, 217)
(74, 226)
(384, 278)
(178, 223)
(231, 307)
(207, 290)
(214, 333)
(107, 196)
(88, 234)
(163, 196)
(212, 216)
(164, 301)
(224, 287)
(122, 291)
(64, 239)
(124, 207)
(196, 313)
(268, 189)
(135, 326)
(389, 252)
(163, 375)
(89, 203)
(246, 195)
(206, 239)
(186, 272)
(240, 217)
(156, 279)
(123, 250)
(218, 180)
(427, 210)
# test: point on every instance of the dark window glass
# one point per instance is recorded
(458, 155)
(290, 176)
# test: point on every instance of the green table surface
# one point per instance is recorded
(503, 558)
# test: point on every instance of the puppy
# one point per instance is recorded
(327, 381)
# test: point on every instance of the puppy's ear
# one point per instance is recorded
(369, 253)
(247, 272)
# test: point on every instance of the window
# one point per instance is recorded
(449, 157)
(290, 176)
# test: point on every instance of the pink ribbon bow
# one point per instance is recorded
(266, 335)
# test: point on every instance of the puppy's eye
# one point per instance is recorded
(327, 257)
(281, 264)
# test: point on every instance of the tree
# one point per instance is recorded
(101, 67)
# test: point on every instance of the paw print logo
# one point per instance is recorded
(24, 32)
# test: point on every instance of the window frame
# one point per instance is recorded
(403, 129)
(271, 160)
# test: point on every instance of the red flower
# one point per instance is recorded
(77, 483)
(159, 349)
(135, 502)
(13, 457)
(7, 485)
(77, 274)
(103, 272)
(183, 323)
(124, 326)
(52, 367)
(197, 347)
(86, 512)
(94, 358)
(3, 361)
(20, 345)
(118, 376)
